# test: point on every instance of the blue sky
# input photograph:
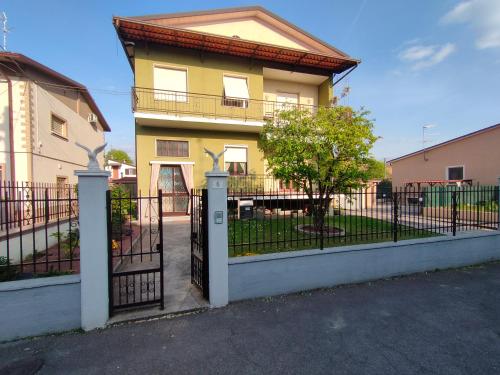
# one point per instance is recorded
(423, 62)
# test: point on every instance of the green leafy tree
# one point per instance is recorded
(118, 155)
(376, 169)
(322, 152)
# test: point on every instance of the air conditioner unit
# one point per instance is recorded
(92, 118)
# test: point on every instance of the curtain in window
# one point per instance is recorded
(153, 189)
(187, 174)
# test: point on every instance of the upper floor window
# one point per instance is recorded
(170, 84)
(287, 101)
(58, 126)
(172, 148)
(456, 173)
(235, 160)
(236, 92)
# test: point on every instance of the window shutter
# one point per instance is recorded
(236, 87)
(170, 84)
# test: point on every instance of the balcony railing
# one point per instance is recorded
(259, 184)
(207, 106)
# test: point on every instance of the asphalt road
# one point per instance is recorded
(437, 323)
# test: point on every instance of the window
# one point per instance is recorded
(170, 84)
(287, 101)
(172, 148)
(61, 183)
(456, 173)
(58, 126)
(235, 92)
(129, 171)
(235, 160)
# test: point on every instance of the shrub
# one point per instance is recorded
(69, 241)
(122, 208)
(7, 273)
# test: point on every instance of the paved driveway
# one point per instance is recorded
(438, 323)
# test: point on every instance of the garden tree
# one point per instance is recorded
(322, 152)
(118, 155)
(376, 169)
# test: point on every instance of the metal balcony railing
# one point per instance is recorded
(207, 106)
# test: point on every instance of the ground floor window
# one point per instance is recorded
(236, 168)
(235, 160)
(172, 148)
(456, 173)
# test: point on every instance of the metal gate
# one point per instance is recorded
(199, 240)
(135, 250)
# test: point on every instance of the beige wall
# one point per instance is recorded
(60, 157)
(250, 29)
(308, 94)
(20, 112)
(71, 98)
(39, 155)
(479, 154)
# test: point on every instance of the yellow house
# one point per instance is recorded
(211, 79)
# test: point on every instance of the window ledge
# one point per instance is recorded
(60, 136)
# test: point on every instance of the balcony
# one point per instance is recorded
(155, 107)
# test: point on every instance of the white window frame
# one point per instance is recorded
(64, 126)
(237, 146)
(235, 102)
(163, 94)
(455, 166)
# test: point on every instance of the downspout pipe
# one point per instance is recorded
(12, 156)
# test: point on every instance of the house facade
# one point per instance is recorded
(472, 158)
(42, 114)
(210, 80)
(120, 170)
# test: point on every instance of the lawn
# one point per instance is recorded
(278, 234)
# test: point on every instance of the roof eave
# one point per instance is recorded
(46, 70)
(241, 9)
(349, 62)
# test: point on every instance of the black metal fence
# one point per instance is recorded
(39, 233)
(266, 222)
(135, 250)
(199, 240)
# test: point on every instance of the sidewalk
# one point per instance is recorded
(437, 323)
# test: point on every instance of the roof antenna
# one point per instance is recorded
(5, 30)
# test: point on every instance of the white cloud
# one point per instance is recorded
(422, 56)
(417, 53)
(483, 16)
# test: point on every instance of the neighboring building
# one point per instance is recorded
(120, 170)
(211, 79)
(474, 157)
(42, 114)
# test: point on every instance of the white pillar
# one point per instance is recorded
(92, 186)
(217, 238)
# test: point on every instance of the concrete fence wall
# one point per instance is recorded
(29, 241)
(39, 306)
(280, 273)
